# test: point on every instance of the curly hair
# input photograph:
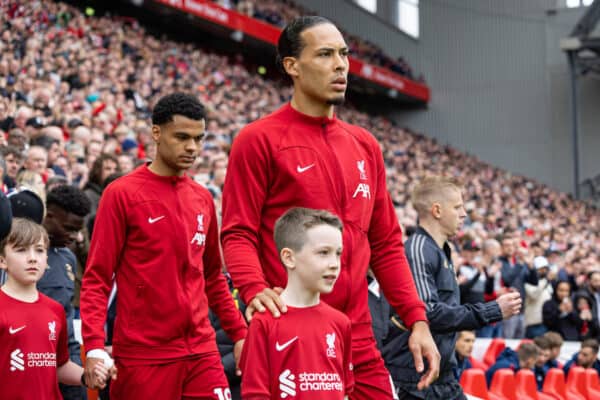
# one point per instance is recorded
(177, 104)
(290, 44)
(70, 199)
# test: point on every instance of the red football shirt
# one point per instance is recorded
(34, 344)
(304, 354)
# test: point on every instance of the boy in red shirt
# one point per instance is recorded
(34, 356)
(306, 353)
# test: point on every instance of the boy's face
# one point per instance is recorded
(543, 357)
(25, 264)
(452, 212)
(554, 352)
(317, 264)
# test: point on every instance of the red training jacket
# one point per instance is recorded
(289, 159)
(159, 236)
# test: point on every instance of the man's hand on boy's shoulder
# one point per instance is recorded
(268, 299)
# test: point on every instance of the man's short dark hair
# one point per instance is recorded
(71, 199)
(290, 228)
(177, 104)
(290, 44)
(527, 351)
(591, 343)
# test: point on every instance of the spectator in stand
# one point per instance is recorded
(517, 269)
(587, 357)
(491, 251)
(593, 289)
(524, 358)
(556, 342)
(13, 158)
(536, 296)
(5, 216)
(471, 275)
(589, 323)
(37, 161)
(103, 166)
(541, 364)
(559, 315)
(463, 349)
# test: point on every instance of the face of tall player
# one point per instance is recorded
(25, 264)
(320, 71)
(452, 212)
(317, 264)
(178, 143)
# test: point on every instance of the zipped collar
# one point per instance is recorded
(174, 179)
(297, 115)
(446, 248)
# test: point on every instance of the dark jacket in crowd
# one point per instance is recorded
(461, 365)
(516, 275)
(436, 284)
(588, 329)
(573, 361)
(5, 216)
(568, 325)
(507, 359)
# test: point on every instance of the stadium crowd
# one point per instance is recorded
(75, 99)
(279, 13)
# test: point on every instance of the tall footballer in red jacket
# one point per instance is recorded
(302, 155)
(156, 232)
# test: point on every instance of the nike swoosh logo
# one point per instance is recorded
(303, 169)
(13, 331)
(280, 347)
(153, 220)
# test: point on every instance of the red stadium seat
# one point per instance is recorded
(475, 363)
(491, 353)
(473, 383)
(526, 386)
(554, 384)
(503, 384)
(592, 384)
(576, 382)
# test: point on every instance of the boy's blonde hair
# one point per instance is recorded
(24, 233)
(431, 190)
(290, 228)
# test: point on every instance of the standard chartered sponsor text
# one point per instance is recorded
(37, 360)
(313, 381)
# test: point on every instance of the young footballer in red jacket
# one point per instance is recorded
(156, 235)
(306, 353)
(302, 155)
(34, 355)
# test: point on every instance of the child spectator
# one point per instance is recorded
(33, 328)
(556, 342)
(305, 352)
(541, 364)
